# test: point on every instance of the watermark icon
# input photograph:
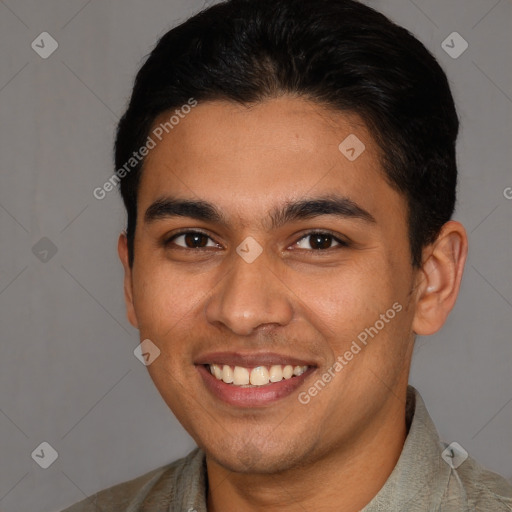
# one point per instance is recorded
(44, 249)
(454, 455)
(146, 352)
(249, 455)
(44, 45)
(249, 249)
(304, 397)
(45, 455)
(507, 192)
(351, 147)
(139, 155)
(454, 45)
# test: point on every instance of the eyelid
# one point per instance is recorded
(338, 238)
(169, 238)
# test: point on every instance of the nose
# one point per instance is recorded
(250, 296)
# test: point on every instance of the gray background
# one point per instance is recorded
(68, 375)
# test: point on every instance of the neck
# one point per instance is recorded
(345, 479)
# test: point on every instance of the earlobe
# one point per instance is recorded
(122, 249)
(439, 279)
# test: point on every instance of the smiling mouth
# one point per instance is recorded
(242, 376)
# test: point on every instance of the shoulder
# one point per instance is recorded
(160, 484)
(484, 489)
(455, 480)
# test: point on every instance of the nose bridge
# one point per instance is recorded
(249, 296)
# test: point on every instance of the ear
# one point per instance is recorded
(122, 249)
(438, 280)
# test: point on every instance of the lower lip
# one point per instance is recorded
(255, 396)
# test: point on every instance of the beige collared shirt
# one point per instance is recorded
(429, 476)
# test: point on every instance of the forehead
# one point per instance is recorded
(247, 159)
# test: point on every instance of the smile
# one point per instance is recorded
(256, 376)
(253, 379)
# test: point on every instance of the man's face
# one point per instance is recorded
(303, 300)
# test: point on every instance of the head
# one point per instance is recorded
(319, 138)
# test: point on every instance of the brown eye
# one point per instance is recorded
(319, 241)
(191, 240)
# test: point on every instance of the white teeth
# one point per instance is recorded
(276, 373)
(216, 371)
(258, 376)
(288, 371)
(298, 370)
(227, 374)
(240, 376)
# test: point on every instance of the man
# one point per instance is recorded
(288, 169)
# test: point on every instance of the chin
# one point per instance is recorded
(249, 458)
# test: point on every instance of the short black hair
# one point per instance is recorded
(340, 54)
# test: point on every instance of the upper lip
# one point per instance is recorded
(251, 359)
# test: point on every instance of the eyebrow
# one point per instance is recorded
(293, 210)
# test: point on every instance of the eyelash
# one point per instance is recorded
(342, 243)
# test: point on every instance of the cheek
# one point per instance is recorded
(351, 300)
(339, 302)
(163, 297)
